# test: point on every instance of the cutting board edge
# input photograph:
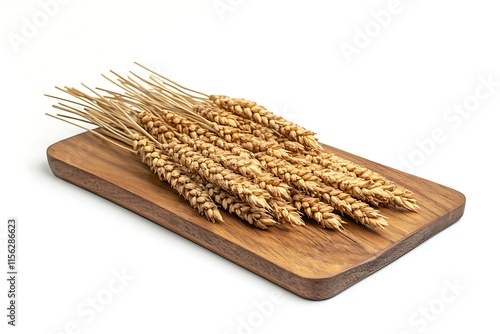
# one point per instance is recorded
(311, 288)
(328, 287)
(192, 232)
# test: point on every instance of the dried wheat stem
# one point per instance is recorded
(252, 143)
(223, 117)
(379, 188)
(305, 180)
(169, 83)
(177, 176)
(259, 130)
(297, 148)
(297, 176)
(282, 211)
(334, 162)
(248, 167)
(254, 163)
(259, 114)
(217, 115)
(163, 132)
(227, 137)
(317, 210)
(214, 172)
(363, 189)
(256, 144)
(285, 212)
(251, 214)
(195, 131)
(352, 207)
(280, 192)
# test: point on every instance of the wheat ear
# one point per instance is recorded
(259, 114)
(303, 179)
(293, 138)
(177, 176)
(379, 188)
(251, 214)
(226, 118)
(280, 192)
(115, 131)
(214, 172)
(247, 167)
(317, 210)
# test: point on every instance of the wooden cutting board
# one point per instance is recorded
(309, 261)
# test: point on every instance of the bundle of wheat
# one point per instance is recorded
(230, 153)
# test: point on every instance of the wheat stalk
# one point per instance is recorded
(249, 141)
(196, 131)
(334, 162)
(243, 163)
(247, 167)
(259, 114)
(112, 130)
(305, 180)
(214, 172)
(317, 210)
(177, 176)
(217, 115)
(283, 211)
(225, 118)
(174, 95)
(255, 164)
(251, 214)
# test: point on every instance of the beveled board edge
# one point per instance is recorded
(308, 288)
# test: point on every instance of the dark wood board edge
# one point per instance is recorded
(355, 274)
(308, 288)
(178, 225)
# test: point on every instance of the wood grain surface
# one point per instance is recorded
(309, 261)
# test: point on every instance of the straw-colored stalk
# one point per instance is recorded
(259, 114)
(315, 209)
(250, 117)
(196, 131)
(255, 164)
(226, 118)
(251, 214)
(177, 176)
(304, 180)
(247, 167)
(217, 115)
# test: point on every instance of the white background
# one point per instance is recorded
(287, 55)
